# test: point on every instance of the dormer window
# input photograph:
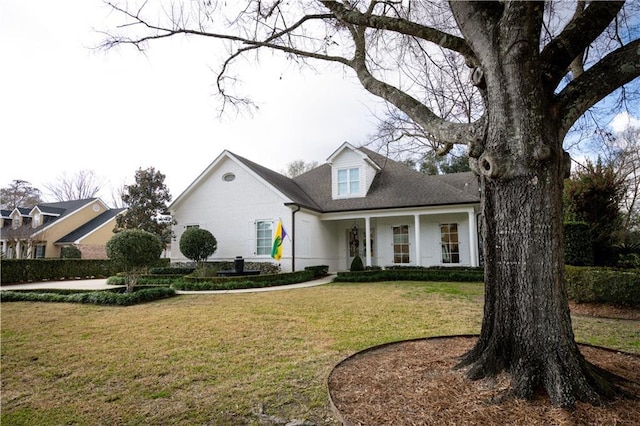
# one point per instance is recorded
(348, 182)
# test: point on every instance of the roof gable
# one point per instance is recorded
(281, 184)
(396, 185)
(89, 227)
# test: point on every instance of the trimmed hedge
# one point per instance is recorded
(26, 270)
(578, 248)
(107, 297)
(29, 270)
(233, 283)
(172, 270)
(618, 287)
(407, 273)
(157, 280)
(319, 271)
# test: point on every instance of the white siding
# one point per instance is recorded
(348, 159)
(229, 211)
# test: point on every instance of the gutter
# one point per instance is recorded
(293, 237)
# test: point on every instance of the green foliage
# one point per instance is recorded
(92, 297)
(414, 274)
(154, 280)
(631, 260)
(146, 202)
(598, 285)
(578, 249)
(593, 195)
(319, 271)
(134, 249)
(171, 270)
(70, 252)
(26, 270)
(433, 164)
(197, 244)
(210, 269)
(232, 283)
(356, 264)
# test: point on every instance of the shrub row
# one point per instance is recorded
(232, 283)
(159, 280)
(618, 287)
(413, 274)
(319, 271)
(26, 270)
(172, 270)
(141, 295)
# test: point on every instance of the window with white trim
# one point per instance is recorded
(349, 181)
(450, 243)
(401, 244)
(264, 237)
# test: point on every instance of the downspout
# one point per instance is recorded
(293, 238)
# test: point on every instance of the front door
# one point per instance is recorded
(357, 245)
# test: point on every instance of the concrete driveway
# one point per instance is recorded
(101, 284)
(97, 284)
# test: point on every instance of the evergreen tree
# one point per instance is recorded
(146, 203)
(593, 195)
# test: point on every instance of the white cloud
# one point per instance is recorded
(623, 121)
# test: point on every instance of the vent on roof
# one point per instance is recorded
(228, 177)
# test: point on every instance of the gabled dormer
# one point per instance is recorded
(352, 172)
(42, 216)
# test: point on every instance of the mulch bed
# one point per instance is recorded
(414, 383)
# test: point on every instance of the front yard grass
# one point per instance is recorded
(224, 359)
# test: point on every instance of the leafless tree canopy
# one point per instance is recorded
(79, 186)
(412, 54)
(506, 79)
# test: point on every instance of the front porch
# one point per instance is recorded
(425, 237)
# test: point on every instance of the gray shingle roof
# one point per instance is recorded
(395, 186)
(90, 226)
(284, 184)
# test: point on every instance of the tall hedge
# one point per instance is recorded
(26, 270)
(578, 247)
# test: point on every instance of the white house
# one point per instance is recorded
(358, 202)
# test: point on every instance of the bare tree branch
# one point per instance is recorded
(614, 70)
(583, 29)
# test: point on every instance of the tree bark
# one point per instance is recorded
(526, 329)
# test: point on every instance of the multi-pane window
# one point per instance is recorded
(349, 181)
(401, 244)
(39, 251)
(264, 237)
(450, 243)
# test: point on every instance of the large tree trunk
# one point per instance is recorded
(526, 328)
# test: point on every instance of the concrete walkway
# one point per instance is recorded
(101, 284)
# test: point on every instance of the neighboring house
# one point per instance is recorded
(359, 202)
(41, 231)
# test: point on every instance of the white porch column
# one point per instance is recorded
(18, 249)
(367, 239)
(416, 221)
(473, 238)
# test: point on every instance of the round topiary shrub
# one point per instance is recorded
(70, 252)
(198, 244)
(134, 250)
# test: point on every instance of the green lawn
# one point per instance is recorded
(220, 359)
